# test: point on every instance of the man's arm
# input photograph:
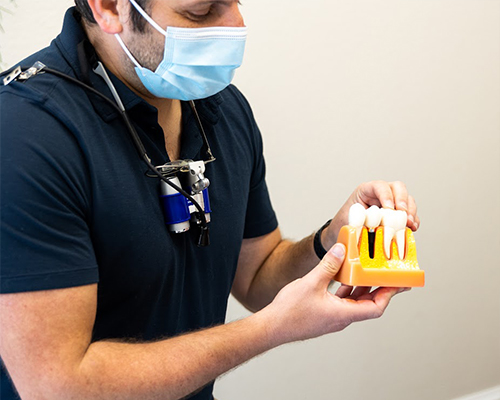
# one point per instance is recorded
(262, 270)
(45, 341)
(268, 263)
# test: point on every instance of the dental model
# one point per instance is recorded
(394, 223)
(373, 219)
(357, 216)
(380, 249)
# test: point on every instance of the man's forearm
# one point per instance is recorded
(167, 369)
(288, 261)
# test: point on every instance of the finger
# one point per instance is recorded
(368, 309)
(400, 194)
(343, 291)
(383, 295)
(412, 214)
(328, 267)
(371, 296)
(377, 193)
(417, 222)
(360, 291)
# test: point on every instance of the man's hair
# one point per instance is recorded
(138, 21)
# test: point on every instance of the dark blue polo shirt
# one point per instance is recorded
(77, 207)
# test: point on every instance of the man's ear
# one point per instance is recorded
(107, 15)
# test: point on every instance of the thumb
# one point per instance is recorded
(329, 265)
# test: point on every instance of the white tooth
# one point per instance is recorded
(401, 219)
(357, 215)
(394, 223)
(389, 222)
(373, 217)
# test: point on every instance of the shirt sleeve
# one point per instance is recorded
(45, 186)
(260, 217)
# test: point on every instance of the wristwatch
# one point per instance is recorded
(318, 247)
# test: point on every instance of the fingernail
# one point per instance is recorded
(412, 220)
(338, 251)
(403, 206)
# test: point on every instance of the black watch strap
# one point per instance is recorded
(318, 247)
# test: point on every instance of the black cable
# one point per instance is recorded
(204, 238)
(135, 137)
(200, 127)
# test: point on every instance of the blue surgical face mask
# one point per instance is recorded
(197, 62)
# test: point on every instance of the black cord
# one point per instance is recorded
(204, 238)
(133, 132)
(204, 135)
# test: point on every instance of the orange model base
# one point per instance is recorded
(359, 269)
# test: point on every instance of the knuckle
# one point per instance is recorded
(379, 312)
(362, 186)
(329, 265)
(400, 186)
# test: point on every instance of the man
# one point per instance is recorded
(99, 300)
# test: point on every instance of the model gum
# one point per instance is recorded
(391, 270)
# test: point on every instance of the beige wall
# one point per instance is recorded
(354, 90)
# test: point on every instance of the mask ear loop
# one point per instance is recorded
(148, 18)
(127, 52)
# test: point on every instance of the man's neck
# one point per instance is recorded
(169, 110)
(170, 120)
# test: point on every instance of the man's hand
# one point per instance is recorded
(305, 308)
(393, 195)
(268, 263)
